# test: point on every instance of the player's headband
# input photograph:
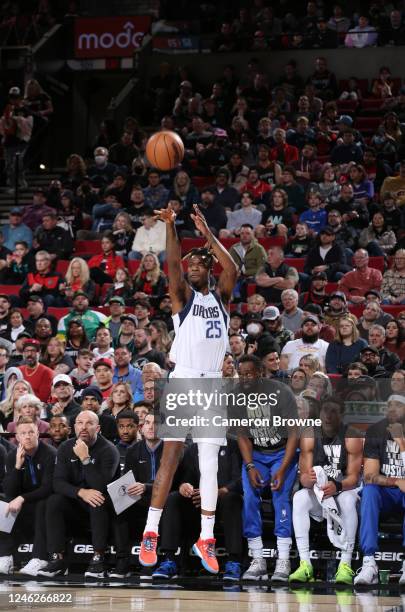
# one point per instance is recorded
(204, 254)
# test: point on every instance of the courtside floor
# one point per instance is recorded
(194, 596)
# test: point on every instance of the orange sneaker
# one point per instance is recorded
(147, 553)
(205, 549)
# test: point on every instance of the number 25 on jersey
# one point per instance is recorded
(213, 329)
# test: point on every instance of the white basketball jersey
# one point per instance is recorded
(201, 330)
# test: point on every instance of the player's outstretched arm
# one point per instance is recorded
(178, 289)
(229, 274)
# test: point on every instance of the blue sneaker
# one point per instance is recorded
(167, 569)
(232, 571)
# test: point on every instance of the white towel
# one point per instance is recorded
(330, 510)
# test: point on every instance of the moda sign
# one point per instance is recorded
(103, 37)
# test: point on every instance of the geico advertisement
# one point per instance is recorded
(87, 549)
(103, 37)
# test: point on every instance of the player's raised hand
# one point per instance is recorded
(165, 214)
(200, 222)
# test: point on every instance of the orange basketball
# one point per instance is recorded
(165, 150)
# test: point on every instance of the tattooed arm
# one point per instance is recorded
(372, 475)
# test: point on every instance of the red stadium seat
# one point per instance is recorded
(59, 313)
(87, 247)
(191, 243)
(242, 308)
(271, 241)
(250, 289)
(362, 85)
(228, 242)
(166, 268)
(393, 309)
(296, 262)
(367, 124)
(194, 243)
(62, 266)
(103, 309)
(203, 181)
(369, 104)
(104, 290)
(356, 309)
(377, 263)
(347, 106)
(10, 289)
(133, 265)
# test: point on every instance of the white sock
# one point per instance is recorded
(369, 559)
(283, 548)
(256, 547)
(303, 547)
(152, 522)
(207, 526)
(346, 557)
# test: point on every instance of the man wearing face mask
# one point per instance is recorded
(102, 168)
(260, 340)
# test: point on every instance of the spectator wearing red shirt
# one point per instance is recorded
(38, 375)
(356, 284)
(283, 152)
(103, 267)
(255, 186)
(43, 282)
(103, 373)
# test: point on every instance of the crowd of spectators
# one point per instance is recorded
(310, 25)
(311, 207)
(24, 23)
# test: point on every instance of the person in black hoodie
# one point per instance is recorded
(182, 510)
(143, 458)
(18, 264)
(355, 213)
(27, 485)
(127, 426)
(327, 256)
(84, 467)
(317, 291)
(214, 212)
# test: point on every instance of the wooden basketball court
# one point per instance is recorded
(172, 597)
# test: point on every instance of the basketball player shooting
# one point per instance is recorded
(198, 351)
